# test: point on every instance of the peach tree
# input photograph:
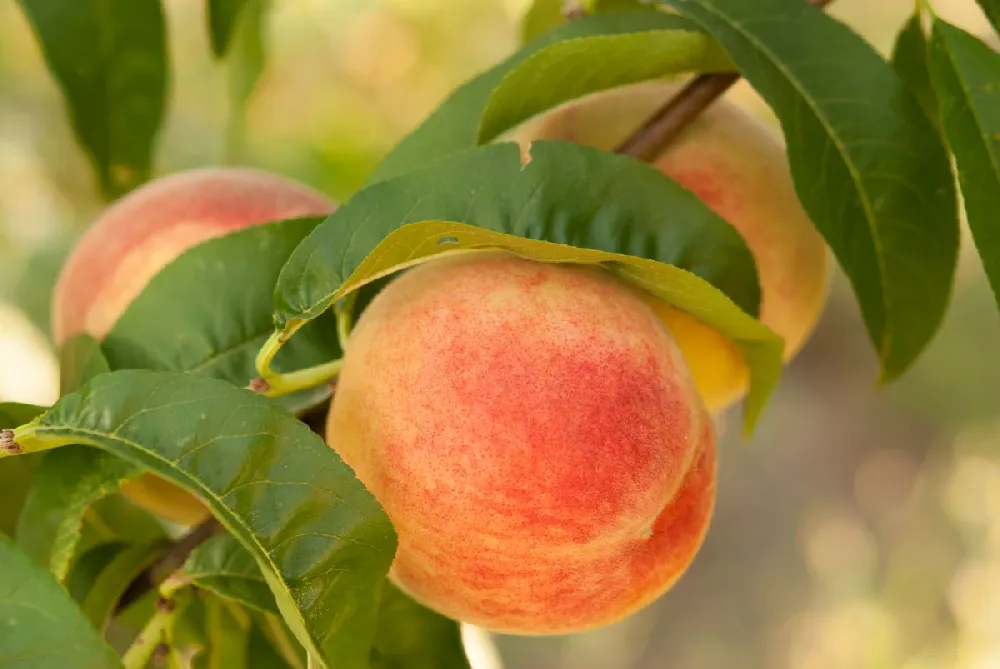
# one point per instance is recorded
(295, 433)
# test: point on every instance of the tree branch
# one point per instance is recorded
(652, 137)
(171, 560)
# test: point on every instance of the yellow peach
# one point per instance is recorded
(534, 435)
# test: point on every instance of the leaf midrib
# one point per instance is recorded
(967, 93)
(227, 520)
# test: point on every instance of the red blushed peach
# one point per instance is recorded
(534, 434)
(737, 165)
(138, 236)
(141, 233)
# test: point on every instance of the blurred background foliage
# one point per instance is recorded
(859, 528)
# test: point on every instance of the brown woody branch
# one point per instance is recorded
(171, 560)
(652, 137)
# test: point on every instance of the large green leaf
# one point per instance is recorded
(227, 630)
(266, 655)
(68, 482)
(117, 574)
(568, 194)
(31, 290)
(627, 216)
(909, 59)
(273, 484)
(454, 126)
(247, 59)
(574, 68)
(966, 75)
(217, 298)
(114, 518)
(868, 166)
(80, 359)
(16, 474)
(88, 567)
(71, 480)
(223, 18)
(210, 633)
(110, 59)
(409, 636)
(40, 626)
(221, 565)
(13, 414)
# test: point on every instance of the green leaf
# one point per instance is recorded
(13, 414)
(221, 565)
(222, 17)
(110, 59)
(116, 518)
(454, 126)
(40, 626)
(218, 332)
(16, 474)
(247, 59)
(992, 10)
(68, 482)
(909, 58)
(210, 633)
(32, 289)
(80, 359)
(273, 483)
(552, 76)
(114, 579)
(868, 166)
(966, 75)
(541, 17)
(627, 209)
(88, 567)
(266, 655)
(227, 630)
(411, 636)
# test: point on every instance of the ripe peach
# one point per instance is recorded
(737, 165)
(137, 237)
(534, 434)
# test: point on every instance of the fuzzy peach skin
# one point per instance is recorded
(737, 165)
(535, 437)
(137, 237)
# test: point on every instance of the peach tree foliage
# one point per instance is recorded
(295, 571)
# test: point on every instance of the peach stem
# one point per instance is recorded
(344, 311)
(310, 377)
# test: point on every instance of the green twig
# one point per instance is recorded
(153, 634)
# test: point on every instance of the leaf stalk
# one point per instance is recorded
(275, 384)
